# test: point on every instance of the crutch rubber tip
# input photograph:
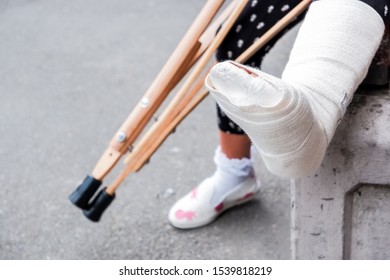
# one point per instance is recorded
(99, 205)
(83, 194)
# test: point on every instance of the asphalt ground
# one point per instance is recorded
(70, 73)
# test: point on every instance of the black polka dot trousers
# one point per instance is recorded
(256, 19)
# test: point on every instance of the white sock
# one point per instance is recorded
(228, 175)
(292, 120)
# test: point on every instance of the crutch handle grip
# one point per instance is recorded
(83, 194)
(98, 205)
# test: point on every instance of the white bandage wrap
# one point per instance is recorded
(292, 120)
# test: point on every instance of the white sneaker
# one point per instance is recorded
(195, 209)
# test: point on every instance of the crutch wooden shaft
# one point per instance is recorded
(176, 79)
(167, 123)
(153, 98)
(166, 116)
(185, 106)
(168, 113)
(111, 156)
(209, 35)
(204, 42)
(136, 165)
(137, 160)
(167, 73)
(168, 129)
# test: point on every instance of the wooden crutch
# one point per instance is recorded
(190, 48)
(183, 103)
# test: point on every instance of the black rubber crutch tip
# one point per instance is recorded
(83, 194)
(99, 205)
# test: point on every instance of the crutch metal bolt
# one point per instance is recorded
(199, 43)
(121, 137)
(145, 102)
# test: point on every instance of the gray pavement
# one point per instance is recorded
(70, 73)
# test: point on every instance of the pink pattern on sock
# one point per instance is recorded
(219, 207)
(189, 215)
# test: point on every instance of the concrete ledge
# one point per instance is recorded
(367, 222)
(343, 211)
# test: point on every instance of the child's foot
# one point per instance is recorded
(196, 208)
(233, 183)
